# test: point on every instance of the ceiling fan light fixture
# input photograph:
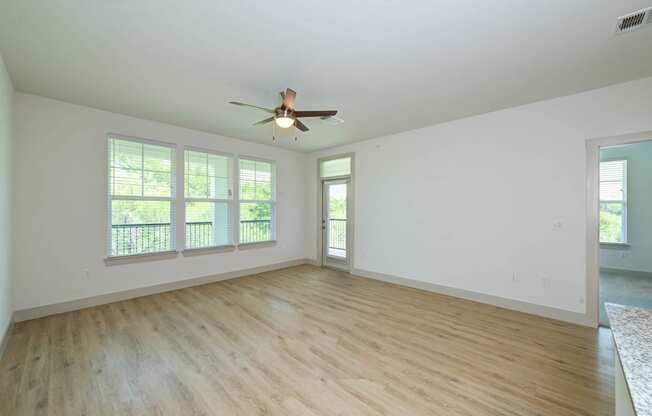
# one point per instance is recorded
(284, 118)
(284, 121)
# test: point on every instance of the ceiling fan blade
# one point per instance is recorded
(288, 98)
(298, 124)
(268, 110)
(261, 122)
(315, 113)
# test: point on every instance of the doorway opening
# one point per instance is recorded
(624, 226)
(336, 240)
(334, 222)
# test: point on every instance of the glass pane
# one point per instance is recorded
(138, 169)
(611, 223)
(611, 191)
(247, 179)
(337, 220)
(219, 174)
(255, 222)
(196, 175)
(256, 182)
(207, 175)
(263, 181)
(207, 224)
(157, 170)
(613, 170)
(140, 227)
(335, 167)
(125, 167)
(126, 182)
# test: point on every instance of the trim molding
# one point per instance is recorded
(313, 262)
(516, 305)
(5, 337)
(73, 305)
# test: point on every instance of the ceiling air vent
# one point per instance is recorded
(634, 20)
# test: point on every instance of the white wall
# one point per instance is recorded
(6, 104)
(60, 204)
(469, 203)
(639, 209)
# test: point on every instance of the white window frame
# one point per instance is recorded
(171, 199)
(235, 183)
(272, 202)
(624, 219)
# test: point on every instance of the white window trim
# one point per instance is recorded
(110, 198)
(625, 221)
(272, 202)
(235, 182)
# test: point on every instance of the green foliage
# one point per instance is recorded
(140, 212)
(255, 180)
(337, 208)
(611, 229)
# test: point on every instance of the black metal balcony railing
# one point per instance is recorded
(199, 234)
(255, 230)
(129, 239)
(337, 233)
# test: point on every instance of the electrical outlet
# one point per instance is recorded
(581, 301)
(87, 274)
(515, 277)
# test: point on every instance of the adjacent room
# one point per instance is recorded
(626, 226)
(326, 208)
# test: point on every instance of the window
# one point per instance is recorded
(257, 200)
(141, 197)
(613, 201)
(208, 192)
(335, 167)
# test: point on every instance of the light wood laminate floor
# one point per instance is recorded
(304, 341)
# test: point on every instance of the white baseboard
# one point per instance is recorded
(516, 305)
(4, 339)
(545, 311)
(73, 305)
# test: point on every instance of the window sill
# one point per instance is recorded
(137, 258)
(257, 244)
(189, 252)
(614, 245)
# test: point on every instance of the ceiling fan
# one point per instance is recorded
(285, 115)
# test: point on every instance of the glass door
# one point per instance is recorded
(335, 223)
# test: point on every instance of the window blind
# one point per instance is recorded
(335, 167)
(257, 200)
(613, 201)
(208, 199)
(612, 180)
(141, 197)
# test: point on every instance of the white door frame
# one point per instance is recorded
(350, 226)
(593, 215)
(329, 261)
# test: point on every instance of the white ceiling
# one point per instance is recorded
(387, 66)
